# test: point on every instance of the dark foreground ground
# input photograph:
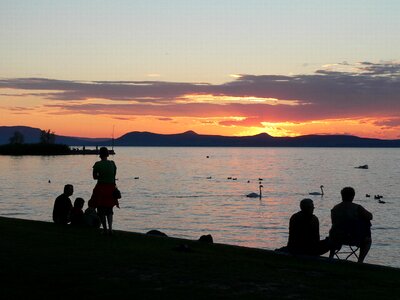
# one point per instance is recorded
(40, 259)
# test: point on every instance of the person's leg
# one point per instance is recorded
(364, 248)
(332, 253)
(333, 246)
(109, 214)
(365, 238)
(102, 218)
(323, 247)
(110, 220)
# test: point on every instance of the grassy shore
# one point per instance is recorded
(40, 259)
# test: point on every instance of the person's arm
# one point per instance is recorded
(115, 170)
(292, 232)
(316, 225)
(95, 173)
(365, 214)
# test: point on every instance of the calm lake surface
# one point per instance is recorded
(174, 193)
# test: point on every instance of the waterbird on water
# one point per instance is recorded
(318, 193)
(255, 195)
(362, 167)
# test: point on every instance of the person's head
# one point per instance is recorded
(348, 194)
(90, 203)
(307, 206)
(103, 152)
(79, 202)
(68, 189)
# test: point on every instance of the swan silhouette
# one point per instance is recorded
(318, 193)
(255, 195)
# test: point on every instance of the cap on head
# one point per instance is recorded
(103, 152)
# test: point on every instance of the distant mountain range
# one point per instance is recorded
(32, 135)
(192, 139)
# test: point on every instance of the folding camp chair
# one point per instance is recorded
(347, 253)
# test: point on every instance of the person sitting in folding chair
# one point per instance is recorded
(351, 225)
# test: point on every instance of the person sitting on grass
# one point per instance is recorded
(304, 236)
(91, 218)
(351, 225)
(77, 218)
(63, 205)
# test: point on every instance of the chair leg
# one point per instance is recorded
(353, 251)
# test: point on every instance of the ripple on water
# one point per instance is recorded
(175, 196)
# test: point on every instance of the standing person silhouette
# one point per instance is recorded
(104, 171)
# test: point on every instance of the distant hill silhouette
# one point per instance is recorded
(192, 139)
(32, 135)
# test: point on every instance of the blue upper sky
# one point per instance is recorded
(181, 40)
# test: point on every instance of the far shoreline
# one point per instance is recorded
(40, 149)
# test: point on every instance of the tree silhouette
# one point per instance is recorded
(47, 137)
(17, 138)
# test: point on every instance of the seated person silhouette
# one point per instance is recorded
(63, 205)
(351, 225)
(77, 217)
(91, 217)
(304, 232)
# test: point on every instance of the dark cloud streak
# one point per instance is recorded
(369, 90)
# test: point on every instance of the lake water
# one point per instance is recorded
(174, 193)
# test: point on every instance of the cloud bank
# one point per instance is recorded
(362, 90)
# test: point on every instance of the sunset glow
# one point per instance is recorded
(228, 69)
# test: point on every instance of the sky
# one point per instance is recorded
(226, 67)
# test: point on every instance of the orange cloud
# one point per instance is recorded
(361, 99)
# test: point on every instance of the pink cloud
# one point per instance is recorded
(371, 91)
(247, 122)
(388, 123)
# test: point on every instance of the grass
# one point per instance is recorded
(40, 259)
